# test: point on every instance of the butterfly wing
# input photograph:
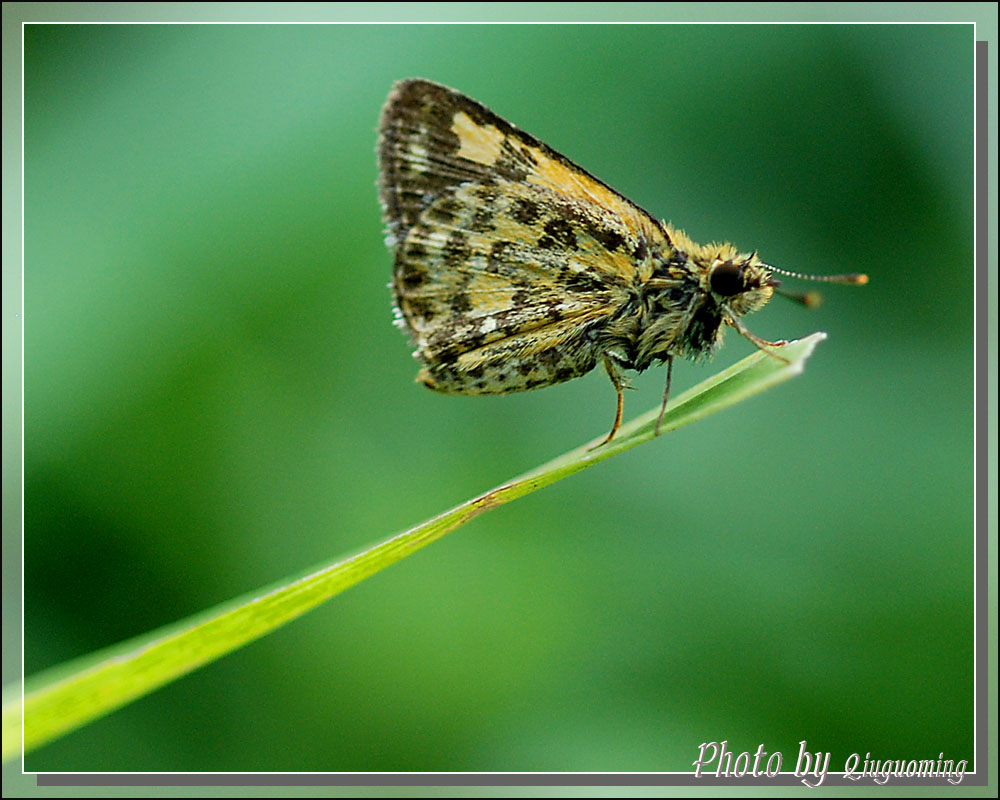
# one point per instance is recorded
(509, 258)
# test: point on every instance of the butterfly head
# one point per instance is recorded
(739, 283)
(736, 283)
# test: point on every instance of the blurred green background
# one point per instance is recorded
(215, 398)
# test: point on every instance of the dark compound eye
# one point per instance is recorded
(727, 279)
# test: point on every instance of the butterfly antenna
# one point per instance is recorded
(807, 299)
(813, 299)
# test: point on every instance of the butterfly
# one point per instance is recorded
(517, 269)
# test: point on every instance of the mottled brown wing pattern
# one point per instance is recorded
(509, 258)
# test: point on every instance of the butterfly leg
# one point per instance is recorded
(763, 344)
(666, 394)
(617, 379)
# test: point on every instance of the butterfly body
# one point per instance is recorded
(516, 269)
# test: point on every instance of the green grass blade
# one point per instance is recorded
(68, 696)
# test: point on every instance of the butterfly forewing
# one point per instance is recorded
(509, 258)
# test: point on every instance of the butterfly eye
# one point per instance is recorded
(727, 279)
